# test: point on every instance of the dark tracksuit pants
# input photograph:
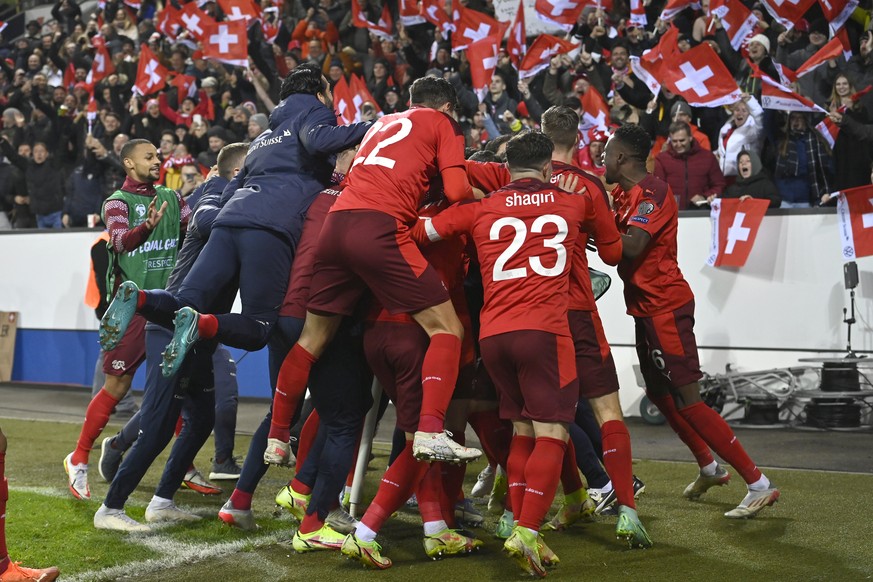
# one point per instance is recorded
(189, 392)
(340, 387)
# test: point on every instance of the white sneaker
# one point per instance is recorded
(171, 512)
(279, 453)
(241, 518)
(439, 446)
(77, 477)
(484, 482)
(117, 520)
(753, 503)
(341, 520)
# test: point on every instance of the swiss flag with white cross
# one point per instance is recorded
(735, 225)
(471, 26)
(226, 42)
(855, 214)
(700, 77)
(482, 56)
(195, 20)
(564, 13)
(541, 52)
(516, 43)
(151, 75)
(244, 10)
(788, 12)
(102, 65)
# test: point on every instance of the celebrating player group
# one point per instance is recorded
(376, 249)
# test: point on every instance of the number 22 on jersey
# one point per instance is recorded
(519, 236)
(385, 140)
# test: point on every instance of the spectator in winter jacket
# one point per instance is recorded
(45, 183)
(744, 131)
(692, 172)
(803, 171)
(753, 181)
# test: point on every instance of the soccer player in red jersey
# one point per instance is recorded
(12, 571)
(526, 234)
(365, 243)
(598, 381)
(662, 305)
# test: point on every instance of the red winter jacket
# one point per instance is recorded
(695, 172)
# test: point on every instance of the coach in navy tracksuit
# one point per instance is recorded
(256, 233)
(191, 391)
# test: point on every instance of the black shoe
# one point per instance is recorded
(604, 501)
(227, 470)
(110, 460)
(639, 487)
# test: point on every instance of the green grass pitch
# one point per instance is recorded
(821, 529)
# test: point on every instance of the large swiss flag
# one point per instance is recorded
(855, 213)
(472, 25)
(226, 42)
(344, 102)
(102, 65)
(735, 225)
(244, 10)
(563, 13)
(516, 43)
(737, 20)
(482, 56)
(541, 52)
(151, 75)
(195, 20)
(700, 77)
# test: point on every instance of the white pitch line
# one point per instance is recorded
(773, 467)
(59, 493)
(174, 554)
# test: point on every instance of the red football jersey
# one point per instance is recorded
(297, 295)
(525, 236)
(397, 160)
(653, 283)
(490, 176)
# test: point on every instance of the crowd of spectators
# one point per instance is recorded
(59, 166)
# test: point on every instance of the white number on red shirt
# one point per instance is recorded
(374, 159)
(501, 273)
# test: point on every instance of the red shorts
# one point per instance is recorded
(129, 353)
(534, 373)
(594, 362)
(667, 349)
(360, 249)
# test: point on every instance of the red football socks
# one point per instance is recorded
(290, 386)
(542, 474)
(300, 487)
(439, 373)
(311, 523)
(617, 460)
(207, 326)
(715, 431)
(398, 483)
(519, 452)
(241, 499)
(570, 479)
(494, 433)
(307, 437)
(429, 493)
(680, 426)
(96, 418)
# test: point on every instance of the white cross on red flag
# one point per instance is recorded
(471, 26)
(648, 67)
(563, 13)
(434, 11)
(151, 75)
(735, 225)
(595, 111)
(384, 28)
(167, 21)
(700, 77)
(541, 52)
(102, 65)
(344, 103)
(226, 42)
(516, 44)
(360, 95)
(737, 20)
(855, 214)
(195, 20)
(244, 10)
(482, 56)
(788, 12)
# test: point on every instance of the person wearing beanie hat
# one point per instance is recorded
(589, 156)
(758, 49)
(258, 123)
(761, 40)
(681, 111)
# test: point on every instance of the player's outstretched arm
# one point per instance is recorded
(455, 184)
(321, 135)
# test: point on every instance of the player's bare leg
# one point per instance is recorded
(439, 373)
(318, 331)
